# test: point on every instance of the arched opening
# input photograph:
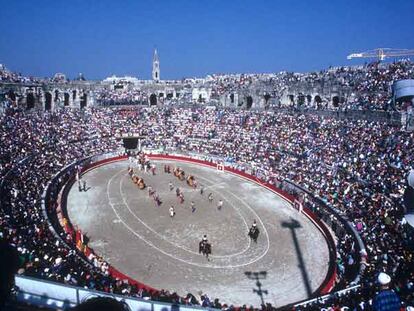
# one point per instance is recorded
(83, 100)
(48, 101)
(170, 95)
(118, 86)
(30, 101)
(56, 95)
(153, 99)
(249, 102)
(266, 98)
(11, 95)
(335, 101)
(161, 95)
(291, 99)
(232, 98)
(66, 98)
(301, 99)
(73, 94)
(200, 98)
(318, 101)
(309, 99)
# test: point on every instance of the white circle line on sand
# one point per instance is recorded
(175, 244)
(252, 210)
(166, 253)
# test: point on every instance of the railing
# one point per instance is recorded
(49, 294)
(60, 185)
(51, 192)
(65, 178)
(340, 224)
(324, 299)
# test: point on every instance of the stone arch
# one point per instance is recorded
(232, 98)
(30, 101)
(153, 99)
(56, 96)
(66, 99)
(83, 100)
(48, 101)
(11, 95)
(335, 101)
(301, 99)
(249, 102)
(318, 99)
(200, 98)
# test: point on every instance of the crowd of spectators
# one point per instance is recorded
(9, 76)
(124, 96)
(358, 167)
(365, 87)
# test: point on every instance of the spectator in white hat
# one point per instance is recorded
(386, 299)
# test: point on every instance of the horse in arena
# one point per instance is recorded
(179, 173)
(190, 180)
(254, 232)
(204, 248)
(141, 183)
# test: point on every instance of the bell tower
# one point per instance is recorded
(155, 67)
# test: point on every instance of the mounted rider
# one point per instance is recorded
(254, 232)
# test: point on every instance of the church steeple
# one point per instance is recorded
(155, 67)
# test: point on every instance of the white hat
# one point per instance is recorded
(384, 278)
(254, 224)
(205, 238)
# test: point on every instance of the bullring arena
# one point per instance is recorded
(125, 226)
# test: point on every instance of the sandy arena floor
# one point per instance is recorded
(140, 239)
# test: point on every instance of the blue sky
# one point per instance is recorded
(195, 37)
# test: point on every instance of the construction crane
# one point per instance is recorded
(382, 53)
